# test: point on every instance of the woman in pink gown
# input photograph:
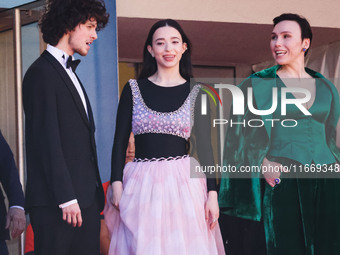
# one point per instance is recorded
(154, 205)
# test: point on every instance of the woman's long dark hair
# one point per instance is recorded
(150, 64)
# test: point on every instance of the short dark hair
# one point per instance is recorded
(61, 16)
(150, 64)
(306, 30)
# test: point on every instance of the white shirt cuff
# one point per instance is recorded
(68, 203)
(17, 206)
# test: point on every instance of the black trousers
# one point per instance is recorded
(3, 247)
(54, 236)
(241, 236)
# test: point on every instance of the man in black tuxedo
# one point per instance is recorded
(15, 219)
(64, 194)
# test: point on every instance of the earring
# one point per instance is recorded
(304, 49)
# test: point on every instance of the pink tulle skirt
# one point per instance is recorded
(161, 212)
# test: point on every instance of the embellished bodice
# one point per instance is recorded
(162, 120)
(146, 120)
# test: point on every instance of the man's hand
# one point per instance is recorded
(16, 221)
(272, 172)
(72, 215)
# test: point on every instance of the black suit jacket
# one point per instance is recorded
(9, 179)
(60, 144)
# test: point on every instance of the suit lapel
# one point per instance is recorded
(68, 82)
(88, 105)
(90, 118)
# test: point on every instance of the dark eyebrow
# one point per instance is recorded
(92, 23)
(175, 37)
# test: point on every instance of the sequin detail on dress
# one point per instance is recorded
(146, 120)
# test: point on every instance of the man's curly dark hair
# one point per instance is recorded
(62, 16)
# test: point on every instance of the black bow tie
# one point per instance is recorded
(72, 63)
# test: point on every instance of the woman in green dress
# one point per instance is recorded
(300, 203)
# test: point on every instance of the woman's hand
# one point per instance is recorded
(117, 190)
(271, 171)
(211, 209)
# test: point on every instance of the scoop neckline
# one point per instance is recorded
(166, 87)
(147, 108)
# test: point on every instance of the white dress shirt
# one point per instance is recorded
(62, 57)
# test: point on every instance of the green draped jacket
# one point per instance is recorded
(247, 146)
